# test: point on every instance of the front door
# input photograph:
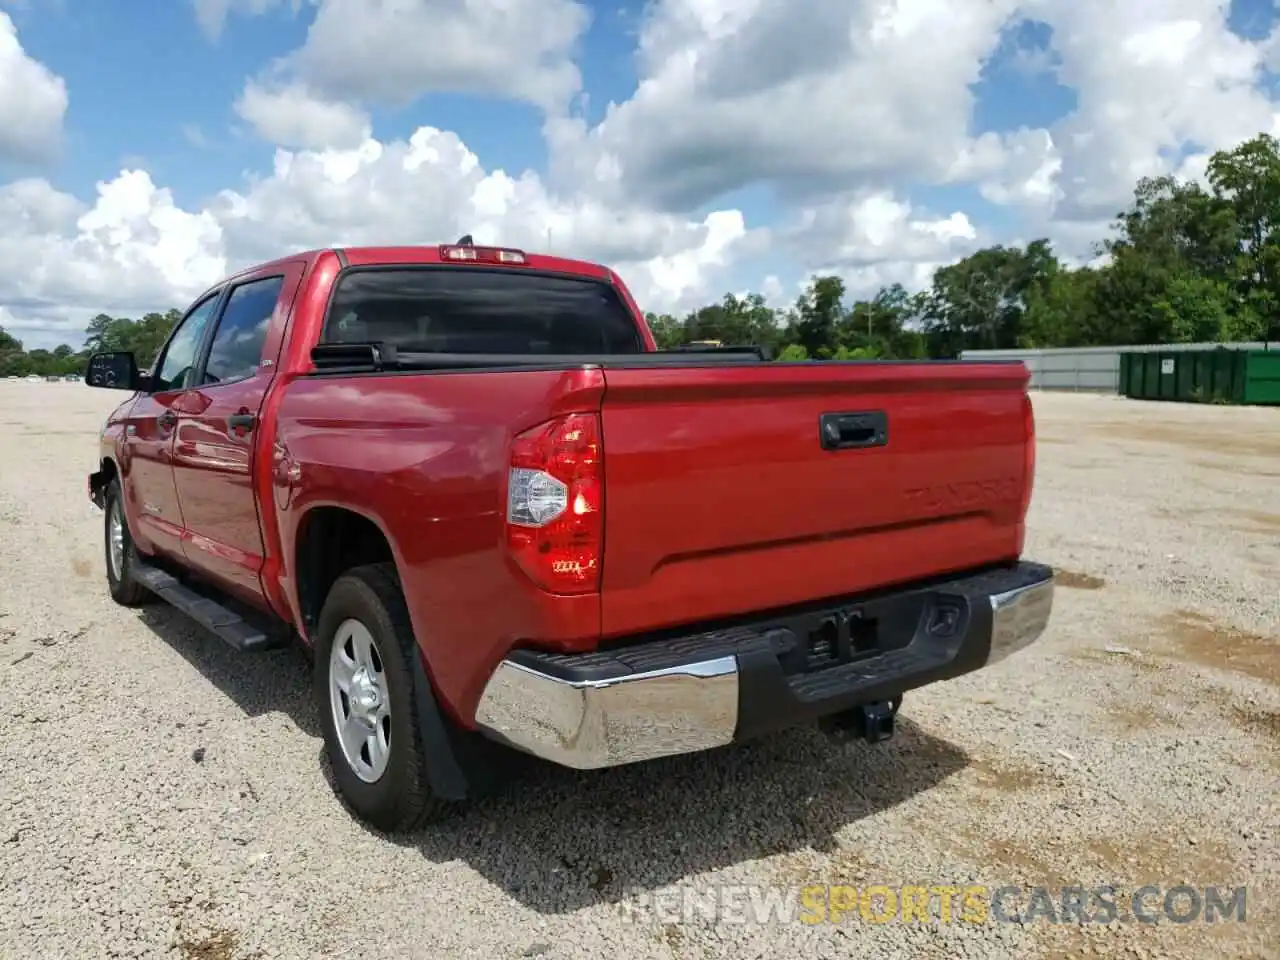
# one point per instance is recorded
(151, 499)
(216, 443)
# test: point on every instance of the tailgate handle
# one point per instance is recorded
(849, 431)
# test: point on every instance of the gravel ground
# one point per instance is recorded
(164, 797)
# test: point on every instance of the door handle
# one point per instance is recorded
(853, 431)
(167, 419)
(241, 421)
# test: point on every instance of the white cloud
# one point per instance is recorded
(1151, 79)
(33, 102)
(876, 227)
(360, 53)
(1159, 86)
(212, 14)
(392, 52)
(772, 290)
(873, 239)
(817, 97)
(830, 98)
(292, 116)
(431, 187)
(134, 249)
(677, 280)
(1026, 171)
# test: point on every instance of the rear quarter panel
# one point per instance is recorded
(425, 457)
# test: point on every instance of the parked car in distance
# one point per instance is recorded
(506, 526)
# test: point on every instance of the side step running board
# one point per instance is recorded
(210, 614)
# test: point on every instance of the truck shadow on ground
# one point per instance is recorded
(558, 840)
(273, 681)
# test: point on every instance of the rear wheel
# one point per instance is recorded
(121, 553)
(365, 692)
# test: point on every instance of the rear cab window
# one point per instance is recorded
(476, 310)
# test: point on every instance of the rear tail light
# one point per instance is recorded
(468, 254)
(555, 504)
(1029, 453)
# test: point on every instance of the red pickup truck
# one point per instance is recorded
(504, 524)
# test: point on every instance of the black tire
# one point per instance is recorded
(400, 799)
(123, 588)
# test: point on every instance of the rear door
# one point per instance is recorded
(727, 492)
(151, 497)
(216, 441)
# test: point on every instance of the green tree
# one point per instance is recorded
(735, 321)
(1062, 312)
(882, 327)
(793, 352)
(981, 301)
(816, 316)
(13, 358)
(1247, 180)
(667, 331)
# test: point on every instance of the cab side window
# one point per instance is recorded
(177, 366)
(236, 350)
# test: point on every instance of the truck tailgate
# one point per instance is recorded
(721, 499)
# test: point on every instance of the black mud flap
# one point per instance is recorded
(98, 481)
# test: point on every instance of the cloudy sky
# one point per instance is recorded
(698, 146)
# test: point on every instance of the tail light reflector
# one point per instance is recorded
(555, 504)
(1029, 453)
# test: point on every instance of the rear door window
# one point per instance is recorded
(480, 311)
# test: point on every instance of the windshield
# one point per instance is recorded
(475, 310)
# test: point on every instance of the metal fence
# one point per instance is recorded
(1091, 369)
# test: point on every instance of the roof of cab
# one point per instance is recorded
(371, 256)
(410, 255)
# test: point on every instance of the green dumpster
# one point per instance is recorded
(1262, 377)
(1202, 376)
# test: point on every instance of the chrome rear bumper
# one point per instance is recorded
(1018, 617)
(601, 723)
(705, 691)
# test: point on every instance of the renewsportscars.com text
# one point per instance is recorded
(937, 903)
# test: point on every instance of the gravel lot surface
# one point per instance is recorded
(163, 796)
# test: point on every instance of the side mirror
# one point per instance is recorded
(114, 371)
